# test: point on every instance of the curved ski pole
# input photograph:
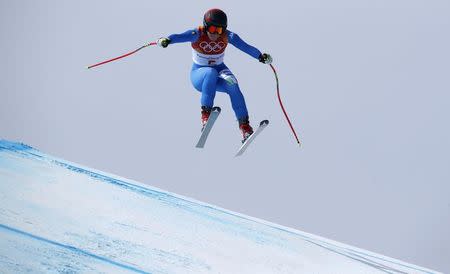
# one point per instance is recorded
(122, 56)
(282, 107)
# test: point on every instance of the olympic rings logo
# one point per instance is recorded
(212, 46)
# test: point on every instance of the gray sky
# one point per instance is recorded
(366, 84)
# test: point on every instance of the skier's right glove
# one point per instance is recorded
(163, 42)
(265, 58)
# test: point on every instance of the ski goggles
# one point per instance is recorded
(214, 29)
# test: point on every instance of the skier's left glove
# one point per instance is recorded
(265, 58)
(163, 42)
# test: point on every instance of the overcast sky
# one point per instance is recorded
(366, 84)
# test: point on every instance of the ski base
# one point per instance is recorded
(252, 137)
(215, 111)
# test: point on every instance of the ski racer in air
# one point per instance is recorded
(209, 73)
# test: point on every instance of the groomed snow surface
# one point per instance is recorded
(60, 217)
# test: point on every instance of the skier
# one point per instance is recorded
(209, 73)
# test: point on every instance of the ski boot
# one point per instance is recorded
(206, 111)
(246, 129)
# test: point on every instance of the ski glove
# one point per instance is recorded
(163, 42)
(265, 58)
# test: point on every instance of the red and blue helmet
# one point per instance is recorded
(215, 21)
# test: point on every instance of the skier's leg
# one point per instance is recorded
(204, 79)
(228, 83)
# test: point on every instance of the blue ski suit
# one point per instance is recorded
(209, 73)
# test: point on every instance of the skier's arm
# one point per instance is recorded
(236, 41)
(187, 36)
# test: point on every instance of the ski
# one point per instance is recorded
(215, 111)
(252, 137)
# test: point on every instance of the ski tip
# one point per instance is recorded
(218, 109)
(264, 122)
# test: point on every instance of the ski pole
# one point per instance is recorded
(282, 107)
(122, 56)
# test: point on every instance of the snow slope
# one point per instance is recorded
(57, 216)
